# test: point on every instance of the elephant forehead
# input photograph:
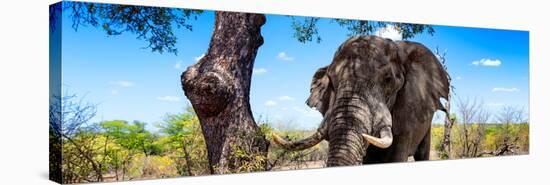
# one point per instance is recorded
(361, 53)
(356, 50)
(364, 45)
(351, 68)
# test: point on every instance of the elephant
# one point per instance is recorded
(375, 92)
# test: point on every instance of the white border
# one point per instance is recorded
(24, 82)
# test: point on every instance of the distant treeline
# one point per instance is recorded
(481, 140)
(119, 150)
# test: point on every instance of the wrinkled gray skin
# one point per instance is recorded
(374, 84)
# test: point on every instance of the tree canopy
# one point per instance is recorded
(306, 29)
(157, 25)
(132, 136)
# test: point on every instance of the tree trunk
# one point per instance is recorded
(146, 171)
(116, 171)
(218, 86)
(187, 160)
(449, 122)
(466, 146)
(124, 165)
(123, 172)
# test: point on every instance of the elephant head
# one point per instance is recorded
(370, 81)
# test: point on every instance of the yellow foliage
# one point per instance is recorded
(492, 136)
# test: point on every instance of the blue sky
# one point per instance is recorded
(131, 83)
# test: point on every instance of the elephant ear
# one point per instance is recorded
(320, 91)
(426, 81)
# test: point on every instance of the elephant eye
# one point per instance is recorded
(387, 79)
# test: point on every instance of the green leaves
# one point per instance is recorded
(359, 27)
(182, 135)
(132, 136)
(410, 30)
(306, 30)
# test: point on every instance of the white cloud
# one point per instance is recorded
(270, 103)
(178, 65)
(284, 108)
(390, 32)
(458, 78)
(199, 57)
(259, 71)
(502, 89)
(487, 62)
(308, 112)
(169, 98)
(114, 92)
(286, 98)
(123, 83)
(284, 56)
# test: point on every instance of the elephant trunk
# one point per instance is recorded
(346, 147)
(354, 121)
(347, 123)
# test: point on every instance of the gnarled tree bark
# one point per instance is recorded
(449, 123)
(445, 146)
(218, 86)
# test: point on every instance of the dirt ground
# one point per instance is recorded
(321, 163)
(305, 165)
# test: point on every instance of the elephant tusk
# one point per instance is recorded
(385, 140)
(298, 145)
(279, 140)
